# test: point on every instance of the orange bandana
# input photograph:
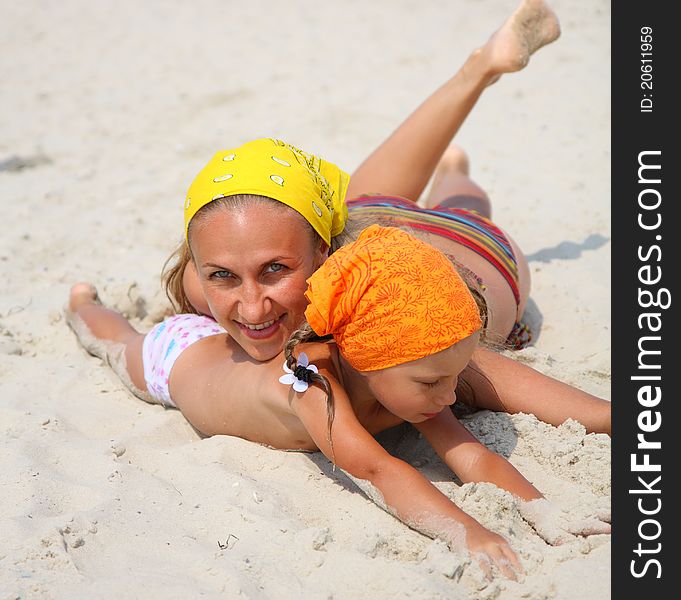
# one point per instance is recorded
(389, 298)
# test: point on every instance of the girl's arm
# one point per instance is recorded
(404, 492)
(471, 460)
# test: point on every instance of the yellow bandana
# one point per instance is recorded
(267, 167)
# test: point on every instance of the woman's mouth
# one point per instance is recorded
(260, 331)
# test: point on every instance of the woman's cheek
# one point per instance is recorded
(294, 298)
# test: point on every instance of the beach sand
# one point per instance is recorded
(107, 112)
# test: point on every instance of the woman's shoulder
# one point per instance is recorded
(323, 355)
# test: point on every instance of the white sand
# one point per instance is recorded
(118, 104)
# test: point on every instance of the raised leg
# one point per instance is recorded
(404, 163)
(452, 186)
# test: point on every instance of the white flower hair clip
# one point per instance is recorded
(300, 378)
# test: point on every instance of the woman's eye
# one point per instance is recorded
(276, 267)
(431, 383)
(220, 275)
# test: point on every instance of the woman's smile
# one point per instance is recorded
(261, 330)
(254, 279)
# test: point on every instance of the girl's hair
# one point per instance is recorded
(475, 287)
(173, 269)
(305, 334)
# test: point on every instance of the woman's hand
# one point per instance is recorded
(489, 549)
(550, 524)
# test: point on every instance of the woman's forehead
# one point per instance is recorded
(252, 215)
(255, 228)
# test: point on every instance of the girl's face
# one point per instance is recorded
(418, 390)
(253, 263)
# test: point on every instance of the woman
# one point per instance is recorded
(266, 251)
(400, 169)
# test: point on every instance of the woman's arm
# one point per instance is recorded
(499, 383)
(470, 460)
(405, 493)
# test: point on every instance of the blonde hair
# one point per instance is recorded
(172, 276)
(301, 335)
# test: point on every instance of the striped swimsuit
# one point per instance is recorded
(463, 226)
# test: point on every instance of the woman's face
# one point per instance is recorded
(418, 390)
(253, 263)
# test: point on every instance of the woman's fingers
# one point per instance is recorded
(551, 532)
(550, 524)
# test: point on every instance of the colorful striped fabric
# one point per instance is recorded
(463, 226)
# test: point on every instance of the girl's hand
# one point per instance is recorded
(490, 548)
(549, 523)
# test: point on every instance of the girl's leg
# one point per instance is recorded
(404, 163)
(110, 328)
(498, 383)
(453, 188)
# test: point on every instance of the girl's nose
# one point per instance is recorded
(446, 399)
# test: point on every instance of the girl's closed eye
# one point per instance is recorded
(430, 383)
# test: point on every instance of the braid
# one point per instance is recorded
(305, 333)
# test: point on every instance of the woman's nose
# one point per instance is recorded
(255, 305)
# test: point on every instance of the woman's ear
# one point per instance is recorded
(321, 255)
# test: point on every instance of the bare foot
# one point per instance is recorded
(531, 26)
(82, 293)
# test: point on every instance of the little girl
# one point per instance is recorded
(404, 326)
